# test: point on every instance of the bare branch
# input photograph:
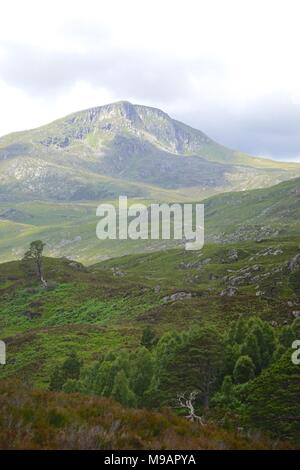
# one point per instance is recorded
(187, 402)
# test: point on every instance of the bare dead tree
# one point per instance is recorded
(186, 401)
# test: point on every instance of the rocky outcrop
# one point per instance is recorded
(229, 292)
(177, 296)
(243, 276)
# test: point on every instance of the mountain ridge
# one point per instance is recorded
(80, 157)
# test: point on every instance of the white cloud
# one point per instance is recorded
(213, 63)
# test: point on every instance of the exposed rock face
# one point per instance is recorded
(117, 272)
(233, 255)
(243, 276)
(229, 292)
(247, 232)
(77, 266)
(268, 252)
(95, 153)
(177, 296)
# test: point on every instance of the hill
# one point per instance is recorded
(69, 229)
(129, 149)
(101, 313)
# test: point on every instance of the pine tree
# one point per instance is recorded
(272, 399)
(142, 368)
(250, 348)
(121, 390)
(286, 336)
(239, 331)
(227, 387)
(244, 370)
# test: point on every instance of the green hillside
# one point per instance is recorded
(69, 229)
(127, 149)
(102, 314)
(150, 330)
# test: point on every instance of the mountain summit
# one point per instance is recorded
(124, 148)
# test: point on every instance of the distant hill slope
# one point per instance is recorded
(69, 229)
(255, 214)
(129, 149)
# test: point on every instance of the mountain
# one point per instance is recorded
(129, 149)
(149, 329)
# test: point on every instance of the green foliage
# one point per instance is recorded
(188, 361)
(71, 367)
(69, 370)
(251, 349)
(244, 370)
(250, 337)
(125, 377)
(227, 387)
(148, 337)
(35, 254)
(272, 399)
(286, 336)
(121, 390)
(296, 328)
(141, 373)
(226, 398)
(94, 312)
(72, 386)
(294, 279)
(57, 379)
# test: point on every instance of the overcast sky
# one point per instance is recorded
(230, 68)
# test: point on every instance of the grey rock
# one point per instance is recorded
(177, 296)
(229, 292)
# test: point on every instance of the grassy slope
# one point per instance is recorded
(69, 228)
(277, 207)
(108, 305)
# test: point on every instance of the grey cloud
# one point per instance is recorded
(268, 127)
(135, 73)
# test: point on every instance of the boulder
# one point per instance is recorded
(177, 296)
